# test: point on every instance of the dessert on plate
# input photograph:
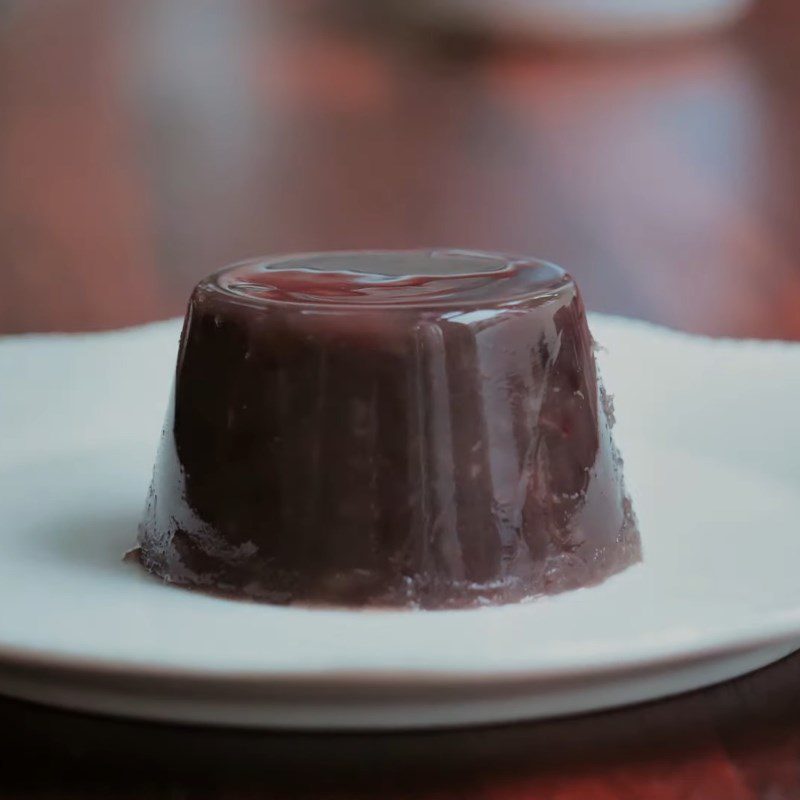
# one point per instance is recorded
(417, 429)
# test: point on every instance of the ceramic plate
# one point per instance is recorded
(711, 437)
(716, 596)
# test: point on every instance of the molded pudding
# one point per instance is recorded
(418, 429)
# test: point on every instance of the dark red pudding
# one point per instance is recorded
(388, 428)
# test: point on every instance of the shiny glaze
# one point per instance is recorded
(347, 437)
(421, 278)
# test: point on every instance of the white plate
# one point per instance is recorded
(711, 436)
(582, 20)
(716, 596)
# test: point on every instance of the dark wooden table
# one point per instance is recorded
(144, 144)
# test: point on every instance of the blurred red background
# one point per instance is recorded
(145, 144)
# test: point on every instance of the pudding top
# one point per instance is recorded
(424, 278)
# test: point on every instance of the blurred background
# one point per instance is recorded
(649, 147)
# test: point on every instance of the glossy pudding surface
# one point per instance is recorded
(418, 429)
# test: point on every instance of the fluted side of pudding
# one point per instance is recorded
(413, 429)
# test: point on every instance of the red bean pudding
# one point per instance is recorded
(418, 429)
